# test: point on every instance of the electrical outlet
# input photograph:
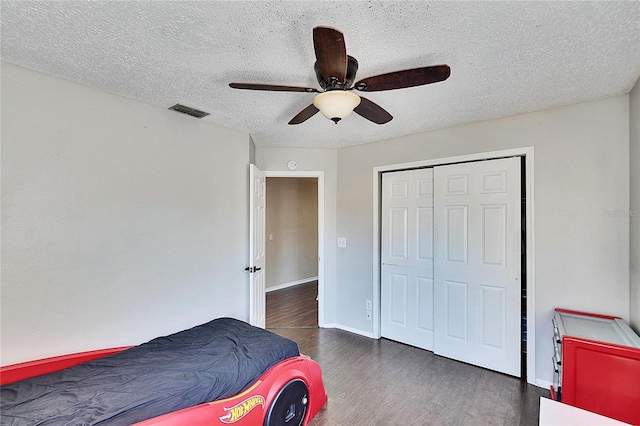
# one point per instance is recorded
(369, 305)
(369, 315)
(342, 242)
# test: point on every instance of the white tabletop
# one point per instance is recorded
(556, 413)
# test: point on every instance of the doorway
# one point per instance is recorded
(318, 178)
(291, 252)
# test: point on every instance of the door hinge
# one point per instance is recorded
(252, 269)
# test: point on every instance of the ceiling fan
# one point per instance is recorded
(336, 73)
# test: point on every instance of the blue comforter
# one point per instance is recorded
(211, 361)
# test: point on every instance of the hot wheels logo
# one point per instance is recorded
(240, 410)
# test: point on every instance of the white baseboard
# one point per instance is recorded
(540, 383)
(543, 384)
(291, 284)
(349, 329)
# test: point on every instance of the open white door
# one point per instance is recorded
(257, 212)
(406, 311)
(477, 263)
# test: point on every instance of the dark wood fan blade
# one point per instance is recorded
(304, 115)
(372, 111)
(331, 52)
(271, 87)
(406, 78)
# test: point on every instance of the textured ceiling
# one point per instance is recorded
(506, 58)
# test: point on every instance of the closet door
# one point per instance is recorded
(477, 263)
(407, 257)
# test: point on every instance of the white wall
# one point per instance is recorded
(581, 174)
(121, 221)
(634, 207)
(318, 160)
(292, 231)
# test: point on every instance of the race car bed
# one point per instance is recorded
(221, 372)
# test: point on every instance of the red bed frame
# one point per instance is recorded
(252, 407)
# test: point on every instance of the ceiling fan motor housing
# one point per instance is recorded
(332, 83)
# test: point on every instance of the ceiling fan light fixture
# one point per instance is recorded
(336, 104)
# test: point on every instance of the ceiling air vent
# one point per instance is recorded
(189, 111)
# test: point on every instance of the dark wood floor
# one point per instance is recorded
(293, 307)
(382, 382)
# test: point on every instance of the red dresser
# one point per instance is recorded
(597, 364)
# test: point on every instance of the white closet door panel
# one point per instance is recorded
(424, 234)
(424, 286)
(456, 233)
(398, 296)
(456, 299)
(407, 257)
(477, 263)
(398, 235)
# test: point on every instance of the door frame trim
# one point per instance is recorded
(321, 236)
(527, 153)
